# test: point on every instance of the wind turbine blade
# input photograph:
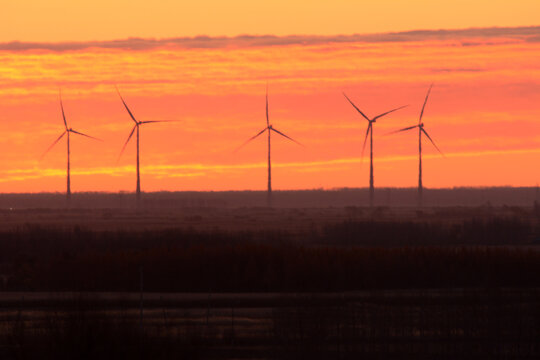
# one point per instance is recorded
(365, 139)
(433, 142)
(127, 108)
(125, 144)
(267, 117)
(88, 136)
(250, 139)
(388, 112)
(62, 107)
(157, 121)
(288, 137)
(357, 109)
(54, 143)
(424, 106)
(404, 129)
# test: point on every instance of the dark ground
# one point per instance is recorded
(308, 282)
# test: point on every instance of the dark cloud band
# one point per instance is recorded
(526, 34)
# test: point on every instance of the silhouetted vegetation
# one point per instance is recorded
(453, 324)
(81, 332)
(351, 255)
(474, 231)
(363, 284)
(446, 325)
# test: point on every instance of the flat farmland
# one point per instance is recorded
(248, 218)
(230, 282)
(459, 323)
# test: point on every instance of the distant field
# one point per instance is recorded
(249, 218)
(387, 197)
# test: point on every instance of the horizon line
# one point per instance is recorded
(335, 189)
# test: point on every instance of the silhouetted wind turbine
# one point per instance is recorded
(369, 132)
(268, 128)
(67, 131)
(421, 130)
(135, 127)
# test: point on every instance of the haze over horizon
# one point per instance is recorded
(483, 111)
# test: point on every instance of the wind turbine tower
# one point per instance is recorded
(369, 132)
(136, 128)
(421, 130)
(67, 132)
(268, 128)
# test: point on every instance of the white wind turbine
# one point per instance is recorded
(369, 132)
(67, 132)
(421, 131)
(268, 128)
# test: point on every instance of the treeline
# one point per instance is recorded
(327, 259)
(474, 231)
(318, 198)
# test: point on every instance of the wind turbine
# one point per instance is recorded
(135, 127)
(67, 131)
(369, 132)
(421, 130)
(268, 128)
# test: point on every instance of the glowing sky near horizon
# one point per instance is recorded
(483, 111)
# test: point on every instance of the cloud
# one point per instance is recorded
(201, 170)
(533, 39)
(246, 41)
(457, 69)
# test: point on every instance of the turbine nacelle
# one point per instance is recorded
(420, 124)
(67, 130)
(370, 120)
(137, 123)
(269, 127)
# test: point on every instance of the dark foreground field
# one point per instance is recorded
(413, 324)
(309, 283)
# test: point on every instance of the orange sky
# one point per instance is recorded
(61, 20)
(483, 111)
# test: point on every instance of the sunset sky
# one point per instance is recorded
(207, 65)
